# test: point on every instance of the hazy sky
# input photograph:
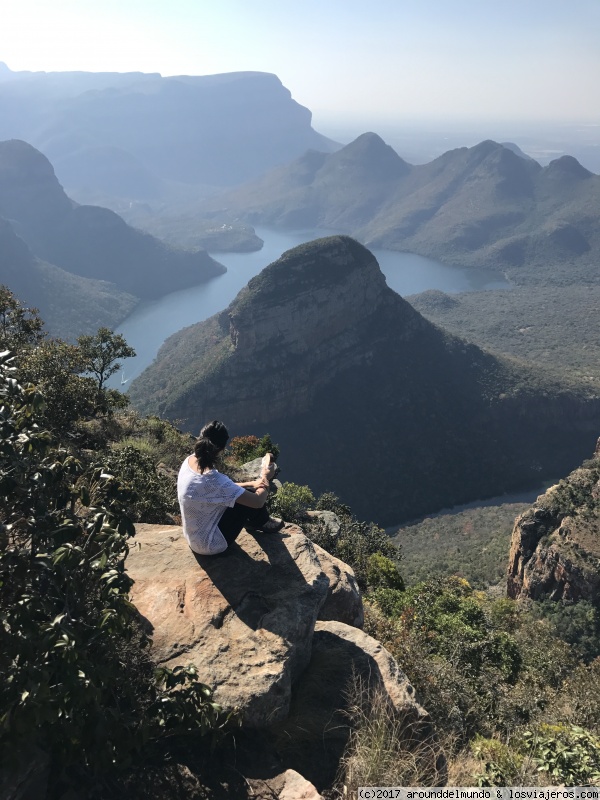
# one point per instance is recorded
(383, 59)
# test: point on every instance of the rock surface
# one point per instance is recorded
(343, 658)
(555, 546)
(343, 602)
(290, 785)
(245, 620)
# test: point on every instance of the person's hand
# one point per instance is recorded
(268, 469)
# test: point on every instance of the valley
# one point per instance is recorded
(415, 339)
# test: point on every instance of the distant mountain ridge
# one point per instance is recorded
(88, 255)
(365, 397)
(133, 134)
(480, 206)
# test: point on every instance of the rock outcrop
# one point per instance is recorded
(247, 619)
(555, 547)
(260, 626)
(364, 396)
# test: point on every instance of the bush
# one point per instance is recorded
(502, 766)
(71, 649)
(246, 448)
(356, 542)
(153, 497)
(292, 502)
(382, 572)
(568, 753)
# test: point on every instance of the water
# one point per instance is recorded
(154, 321)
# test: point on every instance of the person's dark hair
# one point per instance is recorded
(213, 438)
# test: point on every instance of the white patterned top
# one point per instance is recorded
(203, 499)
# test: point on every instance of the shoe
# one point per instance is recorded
(272, 525)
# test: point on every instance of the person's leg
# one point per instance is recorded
(235, 518)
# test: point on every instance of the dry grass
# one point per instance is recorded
(386, 748)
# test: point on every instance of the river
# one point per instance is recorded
(154, 321)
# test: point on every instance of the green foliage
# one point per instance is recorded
(472, 544)
(76, 681)
(556, 327)
(153, 495)
(292, 502)
(355, 544)
(577, 495)
(502, 766)
(578, 624)
(382, 572)
(578, 699)
(457, 625)
(570, 754)
(330, 502)
(19, 326)
(246, 448)
(53, 367)
(101, 352)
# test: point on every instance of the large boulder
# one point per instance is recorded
(343, 602)
(246, 620)
(348, 668)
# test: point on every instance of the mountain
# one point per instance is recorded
(364, 396)
(68, 304)
(132, 134)
(88, 241)
(484, 206)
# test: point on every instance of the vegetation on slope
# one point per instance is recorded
(80, 698)
(557, 328)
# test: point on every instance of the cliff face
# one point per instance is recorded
(364, 396)
(555, 547)
(132, 134)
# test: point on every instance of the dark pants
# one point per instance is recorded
(237, 517)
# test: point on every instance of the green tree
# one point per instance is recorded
(76, 683)
(19, 326)
(101, 352)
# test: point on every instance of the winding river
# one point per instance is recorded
(153, 322)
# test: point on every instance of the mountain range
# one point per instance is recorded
(484, 206)
(364, 396)
(78, 262)
(143, 137)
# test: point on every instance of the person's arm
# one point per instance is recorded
(266, 473)
(255, 499)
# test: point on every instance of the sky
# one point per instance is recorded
(384, 59)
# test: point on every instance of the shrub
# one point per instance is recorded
(568, 753)
(292, 502)
(502, 766)
(246, 448)
(153, 497)
(355, 543)
(71, 649)
(382, 572)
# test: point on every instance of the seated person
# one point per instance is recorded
(214, 509)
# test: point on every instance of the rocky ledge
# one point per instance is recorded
(274, 628)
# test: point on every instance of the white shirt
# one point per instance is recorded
(203, 499)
